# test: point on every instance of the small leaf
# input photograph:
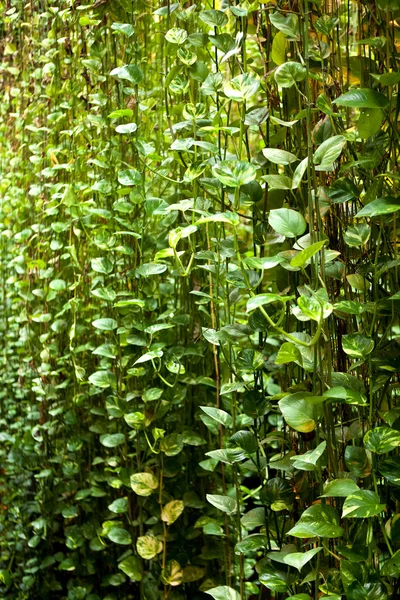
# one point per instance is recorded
(328, 152)
(289, 74)
(132, 73)
(224, 503)
(148, 546)
(242, 87)
(172, 511)
(176, 36)
(302, 257)
(362, 504)
(112, 440)
(219, 415)
(131, 567)
(279, 157)
(119, 536)
(288, 352)
(299, 559)
(143, 484)
(234, 173)
(105, 324)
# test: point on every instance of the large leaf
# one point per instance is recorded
(362, 98)
(172, 511)
(287, 222)
(357, 345)
(223, 592)
(318, 520)
(382, 439)
(298, 413)
(362, 504)
(380, 206)
(328, 152)
(340, 488)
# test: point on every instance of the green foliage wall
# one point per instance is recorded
(199, 300)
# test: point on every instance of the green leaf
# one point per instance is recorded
(305, 255)
(103, 379)
(328, 152)
(382, 439)
(287, 24)
(124, 28)
(287, 222)
(213, 18)
(251, 543)
(289, 74)
(357, 345)
(119, 506)
(308, 460)
(288, 352)
(242, 87)
(390, 469)
(278, 50)
(339, 488)
(357, 461)
(219, 415)
(318, 520)
(234, 173)
(112, 440)
(262, 299)
(380, 206)
(143, 484)
(172, 511)
(131, 567)
(131, 73)
(126, 128)
(224, 503)
(223, 592)
(362, 98)
(299, 559)
(297, 413)
(148, 546)
(176, 36)
(279, 157)
(357, 235)
(278, 182)
(105, 324)
(129, 177)
(119, 536)
(299, 173)
(362, 504)
(148, 269)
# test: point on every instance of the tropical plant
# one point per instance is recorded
(200, 300)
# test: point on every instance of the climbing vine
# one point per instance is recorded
(200, 300)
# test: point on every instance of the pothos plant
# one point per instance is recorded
(200, 300)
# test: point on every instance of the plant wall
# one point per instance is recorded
(199, 300)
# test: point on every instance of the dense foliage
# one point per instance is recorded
(200, 300)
